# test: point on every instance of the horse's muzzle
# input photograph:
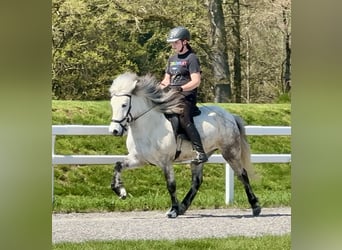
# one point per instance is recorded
(119, 132)
(116, 132)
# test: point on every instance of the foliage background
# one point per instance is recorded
(95, 40)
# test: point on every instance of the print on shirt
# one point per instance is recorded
(178, 68)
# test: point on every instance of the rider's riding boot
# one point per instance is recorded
(197, 144)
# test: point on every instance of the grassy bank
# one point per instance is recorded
(266, 242)
(87, 188)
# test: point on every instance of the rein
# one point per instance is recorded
(128, 117)
(143, 113)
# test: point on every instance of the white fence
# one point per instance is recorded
(111, 159)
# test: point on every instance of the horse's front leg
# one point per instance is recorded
(171, 187)
(117, 184)
(197, 179)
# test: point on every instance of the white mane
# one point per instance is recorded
(123, 84)
(147, 86)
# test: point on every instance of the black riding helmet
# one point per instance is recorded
(178, 33)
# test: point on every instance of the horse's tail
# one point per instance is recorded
(245, 148)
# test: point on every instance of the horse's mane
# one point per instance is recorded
(148, 86)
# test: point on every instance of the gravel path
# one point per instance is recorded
(78, 227)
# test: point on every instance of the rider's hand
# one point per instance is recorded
(166, 89)
(179, 89)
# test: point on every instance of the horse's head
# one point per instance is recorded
(144, 94)
(121, 95)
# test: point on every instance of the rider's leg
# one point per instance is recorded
(191, 131)
(196, 142)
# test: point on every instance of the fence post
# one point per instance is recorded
(229, 184)
(53, 168)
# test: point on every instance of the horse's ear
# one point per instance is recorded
(134, 86)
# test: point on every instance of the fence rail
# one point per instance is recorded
(111, 159)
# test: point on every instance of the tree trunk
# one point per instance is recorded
(248, 69)
(219, 55)
(287, 63)
(237, 51)
(247, 53)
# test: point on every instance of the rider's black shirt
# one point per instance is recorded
(180, 67)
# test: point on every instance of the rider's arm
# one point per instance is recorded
(194, 82)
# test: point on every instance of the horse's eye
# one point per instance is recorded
(124, 105)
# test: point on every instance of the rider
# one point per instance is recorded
(183, 73)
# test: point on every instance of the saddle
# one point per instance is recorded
(178, 131)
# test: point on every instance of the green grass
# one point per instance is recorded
(87, 188)
(238, 243)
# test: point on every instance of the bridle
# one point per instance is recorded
(128, 117)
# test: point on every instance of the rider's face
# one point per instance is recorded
(178, 45)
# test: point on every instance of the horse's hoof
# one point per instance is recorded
(123, 193)
(182, 209)
(256, 210)
(172, 214)
(120, 191)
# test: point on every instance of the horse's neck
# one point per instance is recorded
(148, 118)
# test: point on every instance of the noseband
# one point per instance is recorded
(128, 117)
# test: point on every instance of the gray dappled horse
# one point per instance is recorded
(139, 108)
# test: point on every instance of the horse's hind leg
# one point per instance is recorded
(235, 162)
(197, 178)
(252, 199)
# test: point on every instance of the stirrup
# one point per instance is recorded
(200, 158)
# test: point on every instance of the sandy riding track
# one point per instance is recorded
(78, 227)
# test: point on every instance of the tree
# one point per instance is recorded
(286, 30)
(244, 46)
(262, 46)
(219, 55)
(235, 11)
